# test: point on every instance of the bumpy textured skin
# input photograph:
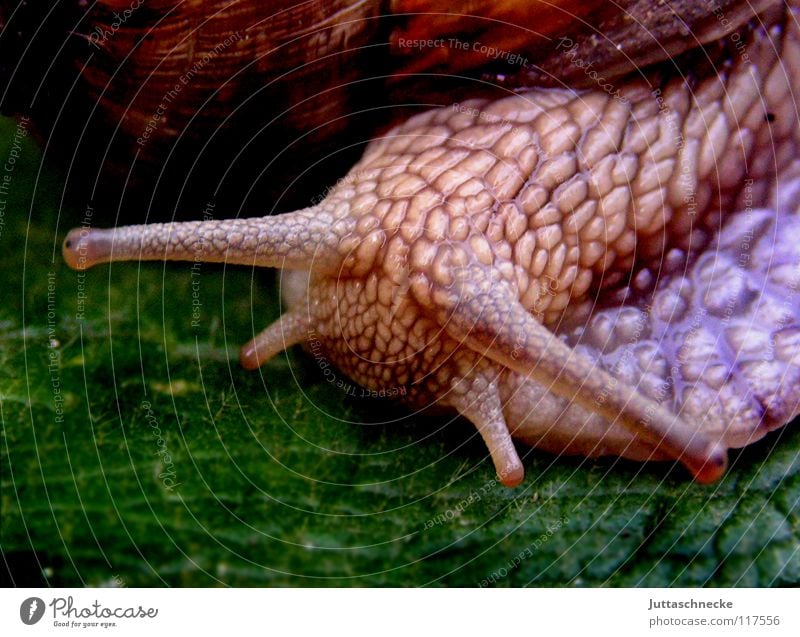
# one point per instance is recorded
(462, 258)
(718, 343)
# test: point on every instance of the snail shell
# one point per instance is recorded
(461, 259)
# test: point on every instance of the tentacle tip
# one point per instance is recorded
(69, 250)
(248, 357)
(512, 476)
(85, 247)
(712, 466)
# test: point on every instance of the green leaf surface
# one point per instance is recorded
(136, 452)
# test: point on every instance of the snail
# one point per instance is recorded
(604, 268)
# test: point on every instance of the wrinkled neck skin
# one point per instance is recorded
(717, 142)
(604, 271)
(712, 153)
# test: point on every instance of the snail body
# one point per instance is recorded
(457, 264)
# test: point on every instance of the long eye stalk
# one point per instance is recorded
(296, 240)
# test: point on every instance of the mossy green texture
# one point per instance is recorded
(136, 452)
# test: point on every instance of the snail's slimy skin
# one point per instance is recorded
(460, 257)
